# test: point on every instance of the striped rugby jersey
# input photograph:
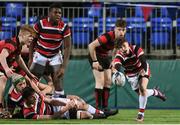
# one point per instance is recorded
(50, 37)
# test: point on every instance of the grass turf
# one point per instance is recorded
(123, 117)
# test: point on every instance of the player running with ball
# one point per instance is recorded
(137, 72)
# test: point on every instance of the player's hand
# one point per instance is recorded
(9, 72)
(34, 78)
(97, 66)
(71, 104)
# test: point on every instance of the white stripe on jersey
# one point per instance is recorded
(48, 47)
(55, 39)
(51, 28)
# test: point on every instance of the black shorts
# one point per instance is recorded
(73, 113)
(103, 61)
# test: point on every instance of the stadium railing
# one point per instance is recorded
(158, 35)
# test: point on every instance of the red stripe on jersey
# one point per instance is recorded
(15, 96)
(50, 36)
(130, 62)
(107, 43)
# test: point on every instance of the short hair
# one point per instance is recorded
(119, 42)
(29, 29)
(55, 5)
(120, 23)
(27, 92)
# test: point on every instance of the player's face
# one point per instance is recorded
(55, 15)
(21, 85)
(31, 99)
(119, 32)
(25, 38)
(125, 48)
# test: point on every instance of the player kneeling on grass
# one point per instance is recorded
(15, 94)
(137, 72)
(39, 107)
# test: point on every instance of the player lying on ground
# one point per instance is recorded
(39, 107)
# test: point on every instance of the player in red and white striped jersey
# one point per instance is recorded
(137, 72)
(47, 57)
(39, 107)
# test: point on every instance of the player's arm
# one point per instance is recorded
(22, 65)
(92, 49)
(67, 50)
(54, 102)
(31, 50)
(3, 56)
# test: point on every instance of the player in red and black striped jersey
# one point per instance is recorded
(47, 58)
(100, 60)
(10, 51)
(137, 72)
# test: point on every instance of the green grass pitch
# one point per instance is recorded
(123, 117)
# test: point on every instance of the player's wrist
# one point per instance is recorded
(95, 61)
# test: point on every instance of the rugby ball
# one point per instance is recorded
(119, 79)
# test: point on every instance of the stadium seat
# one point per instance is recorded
(82, 28)
(138, 11)
(136, 28)
(95, 12)
(8, 23)
(32, 20)
(161, 31)
(14, 10)
(5, 35)
(109, 24)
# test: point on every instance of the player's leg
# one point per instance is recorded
(3, 81)
(38, 65)
(106, 89)
(54, 65)
(143, 82)
(99, 85)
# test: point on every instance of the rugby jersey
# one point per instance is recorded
(50, 37)
(106, 43)
(39, 108)
(14, 98)
(14, 49)
(131, 62)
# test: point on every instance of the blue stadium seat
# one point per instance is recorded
(178, 32)
(161, 30)
(82, 28)
(109, 24)
(8, 23)
(136, 28)
(138, 11)
(32, 20)
(14, 9)
(5, 35)
(95, 12)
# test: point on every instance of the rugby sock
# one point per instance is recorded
(150, 92)
(59, 92)
(98, 97)
(105, 97)
(142, 103)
